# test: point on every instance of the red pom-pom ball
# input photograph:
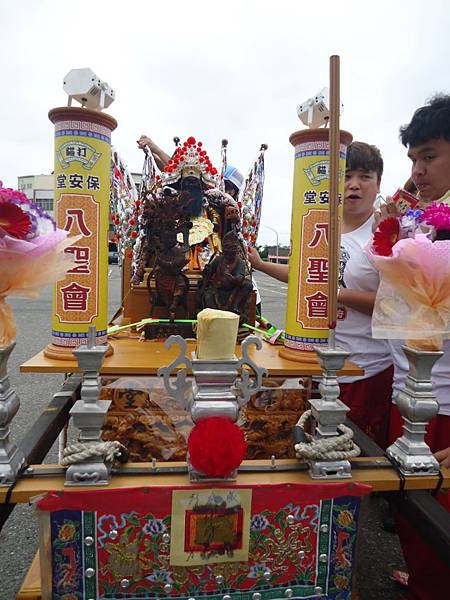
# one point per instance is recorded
(216, 447)
(191, 140)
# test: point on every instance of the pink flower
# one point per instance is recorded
(413, 300)
(437, 215)
(25, 228)
(9, 195)
(31, 253)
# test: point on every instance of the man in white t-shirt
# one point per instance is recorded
(427, 137)
(428, 140)
(368, 396)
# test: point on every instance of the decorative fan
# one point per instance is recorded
(125, 206)
(250, 201)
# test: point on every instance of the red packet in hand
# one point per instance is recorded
(404, 201)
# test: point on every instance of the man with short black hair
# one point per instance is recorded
(427, 138)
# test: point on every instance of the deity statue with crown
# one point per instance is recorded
(212, 211)
(186, 214)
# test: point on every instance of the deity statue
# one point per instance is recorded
(190, 173)
(171, 284)
(165, 219)
(227, 281)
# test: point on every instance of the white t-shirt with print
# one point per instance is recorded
(354, 328)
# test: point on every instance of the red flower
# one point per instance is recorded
(14, 220)
(386, 236)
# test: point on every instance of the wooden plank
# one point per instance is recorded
(134, 357)
(384, 479)
(31, 585)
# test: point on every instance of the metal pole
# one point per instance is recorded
(276, 233)
(333, 227)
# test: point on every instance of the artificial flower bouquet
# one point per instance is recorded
(31, 253)
(412, 255)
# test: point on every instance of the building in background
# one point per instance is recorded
(39, 189)
(278, 254)
(282, 260)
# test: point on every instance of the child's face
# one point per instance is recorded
(431, 168)
(230, 189)
(360, 191)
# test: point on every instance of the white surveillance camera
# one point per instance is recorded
(315, 111)
(89, 90)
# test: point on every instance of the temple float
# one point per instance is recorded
(193, 474)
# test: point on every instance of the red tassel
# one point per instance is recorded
(216, 447)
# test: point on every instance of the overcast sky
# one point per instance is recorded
(234, 69)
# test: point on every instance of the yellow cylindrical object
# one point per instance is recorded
(82, 189)
(306, 311)
(216, 334)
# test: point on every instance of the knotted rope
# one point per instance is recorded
(339, 447)
(105, 451)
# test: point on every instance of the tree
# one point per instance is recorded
(263, 251)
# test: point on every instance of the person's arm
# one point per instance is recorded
(161, 157)
(443, 457)
(358, 300)
(275, 270)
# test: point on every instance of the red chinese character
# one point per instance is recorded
(317, 305)
(75, 297)
(317, 270)
(81, 255)
(76, 215)
(341, 313)
(320, 229)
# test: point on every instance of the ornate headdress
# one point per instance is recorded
(190, 160)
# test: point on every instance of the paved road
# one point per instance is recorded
(379, 551)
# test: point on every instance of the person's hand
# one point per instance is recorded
(385, 211)
(254, 258)
(443, 457)
(144, 140)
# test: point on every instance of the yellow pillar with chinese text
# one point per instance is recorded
(306, 311)
(82, 190)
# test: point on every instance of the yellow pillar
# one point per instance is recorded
(82, 188)
(306, 311)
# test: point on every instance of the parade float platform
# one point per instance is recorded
(134, 357)
(152, 477)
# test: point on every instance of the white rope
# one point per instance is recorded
(105, 451)
(340, 447)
